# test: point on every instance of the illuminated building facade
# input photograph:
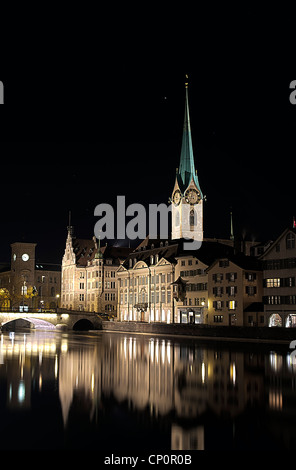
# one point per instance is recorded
(88, 275)
(279, 275)
(235, 292)
(160, 282)
(30, 283)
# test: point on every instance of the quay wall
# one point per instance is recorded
(223, 333)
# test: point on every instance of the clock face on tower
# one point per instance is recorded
(25, 257)
(192, 196)
(177, 197)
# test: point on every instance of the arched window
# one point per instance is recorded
(290, 241)
(192, 219)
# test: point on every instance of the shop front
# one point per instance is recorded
(191, 315)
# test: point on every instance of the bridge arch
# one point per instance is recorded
(83, 325)
(32, 323)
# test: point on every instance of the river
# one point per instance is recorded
(113, 391)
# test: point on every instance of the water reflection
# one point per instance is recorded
(183, 394)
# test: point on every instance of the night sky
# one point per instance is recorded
(83, 123)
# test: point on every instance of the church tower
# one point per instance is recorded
(187, 197)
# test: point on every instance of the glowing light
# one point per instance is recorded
(233, 373)
(203, 372)
(21, 392)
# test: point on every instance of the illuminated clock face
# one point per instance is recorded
(192, 196)
(25, 257)
(177, 197)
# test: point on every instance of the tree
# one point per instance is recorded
(4, 298)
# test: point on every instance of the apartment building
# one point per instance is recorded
(279, 286)
(235, 292)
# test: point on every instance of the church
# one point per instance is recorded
(162, 280)
(167, 280)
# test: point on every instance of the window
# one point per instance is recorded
(218, 291)
(232, 305)
(273, 282)
(24, 290)
(192, 219)
(169, 297)
(290, 241)
(223, 263)
(81, 285)
(231, 277)
(218, 304)
(218, 318)
(81, 297)
(251, 290)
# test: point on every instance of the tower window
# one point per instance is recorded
(192, 218)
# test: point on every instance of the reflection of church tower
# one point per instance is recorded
(187, 197)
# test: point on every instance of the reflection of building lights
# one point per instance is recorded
(156, 350)
(124, 347)
(40, 382)
(233, 373)
(163, 351)
(56, 367)
(276, 361)
(151, 345)
(21, 392)
(203, 372)
(275, 399)
(169, 352)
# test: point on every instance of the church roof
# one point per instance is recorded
(173, 249)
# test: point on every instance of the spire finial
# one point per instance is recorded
(231, 226)
(70, 228)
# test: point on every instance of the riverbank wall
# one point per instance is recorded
(217, 333)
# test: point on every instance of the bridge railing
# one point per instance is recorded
(27, 310)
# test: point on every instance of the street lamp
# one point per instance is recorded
(57, 297)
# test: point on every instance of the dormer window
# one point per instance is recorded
(151, 259)
(290, 241)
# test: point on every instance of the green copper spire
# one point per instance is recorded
(187, 168)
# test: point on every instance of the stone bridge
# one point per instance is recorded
(67, 320)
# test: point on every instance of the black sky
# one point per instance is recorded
(87, 121)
